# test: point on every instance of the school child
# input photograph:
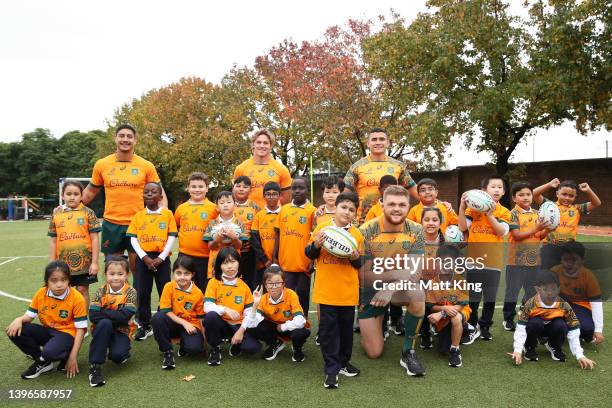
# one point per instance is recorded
(332, 186)
(245, 211)
(227, 301)
(262, 229)
(570, 215)
(446, 305)
(427, 189)
(292, 229)
(74, 232)
(526, 232)
(111, 314)
(63, 322)
(152, 233)
(192, 218)
(376, 210)
(276, 315)
(181, 308)
(225, 230)
(546, 315)
(485, 242)
(336, 291)
(431, 221)
(580, 288)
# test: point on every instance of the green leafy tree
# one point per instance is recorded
(471, 69)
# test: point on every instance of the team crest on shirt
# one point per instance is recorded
(389, 170)
(406, 245)
(287, 313)
(162, 225)
(271, 173)
(237, 300)
(63, 314)
(188, 305)
(571, 213)
(134, 172)
(250, 216)
(81, 221)
(203, 215)
(302, 219)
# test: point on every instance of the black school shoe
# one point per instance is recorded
(555, 353)
(455, 358)
(214, 358)
(425, 341)
(509, 325)
(273, 350)
(485, 334)
(36, 369)
(298, 355)
(168, 363)
(61, 366)
(95, 376)
(143, 333)
(331, 381)
(469, 336)
(349, 370)
(531, 354)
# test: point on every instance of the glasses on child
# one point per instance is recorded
(274, 284)
(271, 194)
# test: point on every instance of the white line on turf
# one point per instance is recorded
(8, 295)
(9, 260)
(24, 256)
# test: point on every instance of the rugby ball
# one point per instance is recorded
(453, 234)
(549, 212)
(338, 242)
(215, 230)
(479, 200)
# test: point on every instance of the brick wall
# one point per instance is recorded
(596, 172)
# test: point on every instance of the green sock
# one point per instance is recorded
(412, 325)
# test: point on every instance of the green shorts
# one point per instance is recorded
(114, 239)
(367, 311)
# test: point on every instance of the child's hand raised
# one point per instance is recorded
(516, 357)
(554, 183)
(586, 363)
(256, 296)
(584, 187)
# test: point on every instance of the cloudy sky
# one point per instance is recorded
(68, 65)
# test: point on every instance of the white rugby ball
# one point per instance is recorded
(215, 230)
(453, 234)
(549, 212)
(338, 242)
(479, 200)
